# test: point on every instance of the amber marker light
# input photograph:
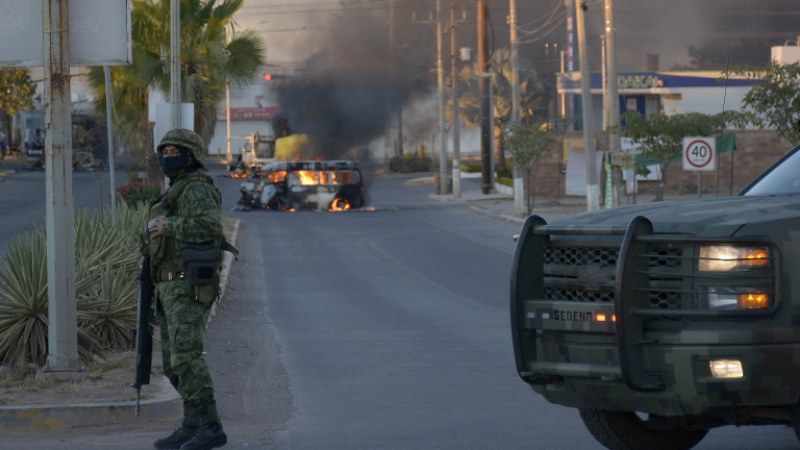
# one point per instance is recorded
(726, 368)
(754, 300)
(603, 317)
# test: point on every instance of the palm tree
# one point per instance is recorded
(212, 54)
(533, 99)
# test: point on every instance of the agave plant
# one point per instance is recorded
(107, 309)
(106, 267)
(23, 300)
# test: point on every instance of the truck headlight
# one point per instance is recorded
(723, 258)
(726, 368)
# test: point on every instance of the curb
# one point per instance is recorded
(507, 217)
(24, 419)
(166, 404)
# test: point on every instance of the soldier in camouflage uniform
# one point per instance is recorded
(187, 214)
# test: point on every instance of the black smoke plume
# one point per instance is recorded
(351, 90)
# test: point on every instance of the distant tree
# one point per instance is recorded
(774, 102)
(528, 143)
(16, 94)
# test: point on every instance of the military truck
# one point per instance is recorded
(660, 321)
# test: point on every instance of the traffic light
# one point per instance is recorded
(267, 76)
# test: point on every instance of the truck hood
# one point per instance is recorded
(717, 216)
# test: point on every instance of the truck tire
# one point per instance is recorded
(624, 430)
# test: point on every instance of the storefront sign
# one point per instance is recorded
(639, 81)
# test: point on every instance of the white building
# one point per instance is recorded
(672, 92)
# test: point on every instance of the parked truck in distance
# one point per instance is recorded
(661, 321)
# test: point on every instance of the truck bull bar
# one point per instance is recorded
(631, 310)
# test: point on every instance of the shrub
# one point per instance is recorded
(139, 192)
(471, 167)
(504, 171)
(106, 257)
(411, 162)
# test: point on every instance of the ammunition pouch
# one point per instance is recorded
(200, 263)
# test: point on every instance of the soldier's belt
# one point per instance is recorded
(164, 275)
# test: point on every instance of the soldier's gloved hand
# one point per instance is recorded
(156, 226)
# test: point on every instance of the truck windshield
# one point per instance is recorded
(782, 179)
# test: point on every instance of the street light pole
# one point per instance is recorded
(110, 137)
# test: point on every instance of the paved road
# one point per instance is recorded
(379, 329)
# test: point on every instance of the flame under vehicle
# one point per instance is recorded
(335, 185)
(661, 321)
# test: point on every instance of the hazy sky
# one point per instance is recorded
(294, 28)
(339, 64)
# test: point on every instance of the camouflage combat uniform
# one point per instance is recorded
(191, 207)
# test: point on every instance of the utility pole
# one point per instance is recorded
(569, 56)
(175, 62)
(441, 136)
(613, 100)
(484, 80)
(519, 187)
(456, 106)
(592, 184)
(62, 331)
(440, 84)
(398, 146)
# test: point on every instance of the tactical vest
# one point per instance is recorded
(173, 256)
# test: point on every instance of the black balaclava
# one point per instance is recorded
(176, 165)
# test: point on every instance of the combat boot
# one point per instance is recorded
(192, 419)
(210, 434)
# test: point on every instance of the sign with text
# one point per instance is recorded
(254, 113)
(699, 153)
(99, 32)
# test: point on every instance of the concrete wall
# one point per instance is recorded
(757, 150)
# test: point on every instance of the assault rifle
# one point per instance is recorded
(144, 331)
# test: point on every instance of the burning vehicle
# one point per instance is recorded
(336, 185)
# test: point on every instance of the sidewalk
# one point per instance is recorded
(165, 403)
(501, 203)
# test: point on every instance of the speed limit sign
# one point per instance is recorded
(699, 153)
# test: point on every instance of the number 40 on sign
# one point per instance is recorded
(699, 153)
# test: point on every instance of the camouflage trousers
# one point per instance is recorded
(183, 322)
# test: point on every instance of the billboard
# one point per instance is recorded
(100, 32)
